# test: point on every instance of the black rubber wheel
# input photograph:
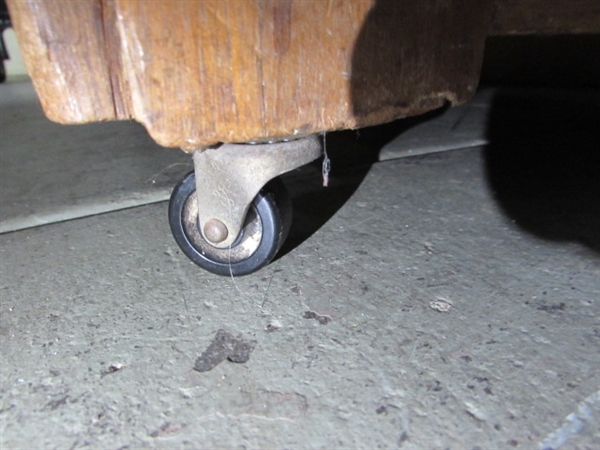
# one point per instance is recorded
(265, 229)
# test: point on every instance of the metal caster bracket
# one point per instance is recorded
(230, 176)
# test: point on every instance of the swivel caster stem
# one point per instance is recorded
(230, 215)
(230, 176)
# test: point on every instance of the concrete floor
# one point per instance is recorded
(447, 300)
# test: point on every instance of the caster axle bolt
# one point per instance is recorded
(215, 231)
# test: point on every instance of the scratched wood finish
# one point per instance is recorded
(200, 72)
(63, 48)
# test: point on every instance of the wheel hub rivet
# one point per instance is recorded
(215, 231)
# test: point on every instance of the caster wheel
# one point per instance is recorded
(265, 229)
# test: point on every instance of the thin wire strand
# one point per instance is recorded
(326, 161)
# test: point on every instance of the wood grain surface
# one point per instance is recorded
(546, 17)
(198, 72)
(63, 48)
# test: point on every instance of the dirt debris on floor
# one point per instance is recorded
(224, 346)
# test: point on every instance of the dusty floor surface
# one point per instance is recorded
(50, 173)
(442, 301)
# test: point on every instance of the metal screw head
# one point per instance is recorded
(215, 231)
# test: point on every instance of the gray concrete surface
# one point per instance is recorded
(51, 172)
(461, 127)
(458, 294)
